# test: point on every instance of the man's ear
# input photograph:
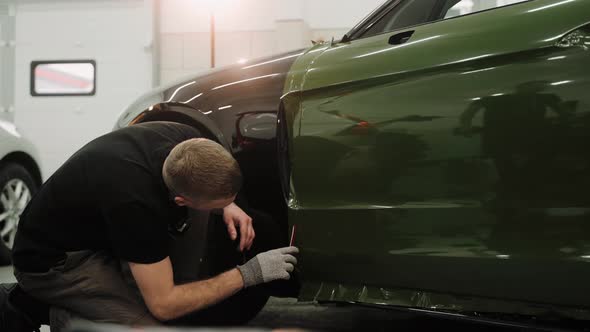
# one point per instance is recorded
(180, 201)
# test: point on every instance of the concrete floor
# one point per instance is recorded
(282, 313)
(6, 274)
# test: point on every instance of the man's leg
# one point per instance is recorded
(89, 285)
(18, 316)
(188, 251)
(36, 310)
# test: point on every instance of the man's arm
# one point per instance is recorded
(167, 301)
(234, 216)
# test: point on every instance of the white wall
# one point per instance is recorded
(248, 29)
(116, 34)
(7, 59)
(331, 14)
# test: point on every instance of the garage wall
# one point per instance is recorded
(7, 58)
(116, 34)
(248, 29)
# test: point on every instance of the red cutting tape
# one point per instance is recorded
(292, 236)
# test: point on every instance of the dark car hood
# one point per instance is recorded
(202, 91)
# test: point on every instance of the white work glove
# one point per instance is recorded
(268, 266)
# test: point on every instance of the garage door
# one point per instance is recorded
(79, 63)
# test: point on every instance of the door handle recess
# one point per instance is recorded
(400, 38)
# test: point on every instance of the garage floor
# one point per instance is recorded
(287, 313)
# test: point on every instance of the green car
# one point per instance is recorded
(436, 158)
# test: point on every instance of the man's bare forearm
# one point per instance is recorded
(167, 301)
(198, 295)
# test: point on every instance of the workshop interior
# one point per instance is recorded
(294, 165)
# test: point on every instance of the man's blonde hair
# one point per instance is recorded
(202, 169)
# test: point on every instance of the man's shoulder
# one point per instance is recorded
(167, 127)
(137, 141)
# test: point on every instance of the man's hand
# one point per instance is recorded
(234, 216)
(268, 266)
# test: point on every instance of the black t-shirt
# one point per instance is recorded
(109, 195)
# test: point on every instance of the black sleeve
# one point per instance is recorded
(136, 233)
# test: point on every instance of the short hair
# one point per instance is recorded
(202, 169)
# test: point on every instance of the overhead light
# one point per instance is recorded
(560, 83)
(557, 58)
(273, 61)
(193, 98)
(243, 81)
(477, 71)
(180, 88)
(549, 6)
(214, 5)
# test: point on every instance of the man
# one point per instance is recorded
(105, 223)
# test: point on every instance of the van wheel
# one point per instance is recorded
(17, 187)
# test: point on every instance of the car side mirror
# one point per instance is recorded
(258, 126)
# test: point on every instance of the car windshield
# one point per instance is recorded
(399, 14)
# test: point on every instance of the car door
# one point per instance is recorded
(442, 148)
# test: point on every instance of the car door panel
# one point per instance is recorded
(454, 163)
